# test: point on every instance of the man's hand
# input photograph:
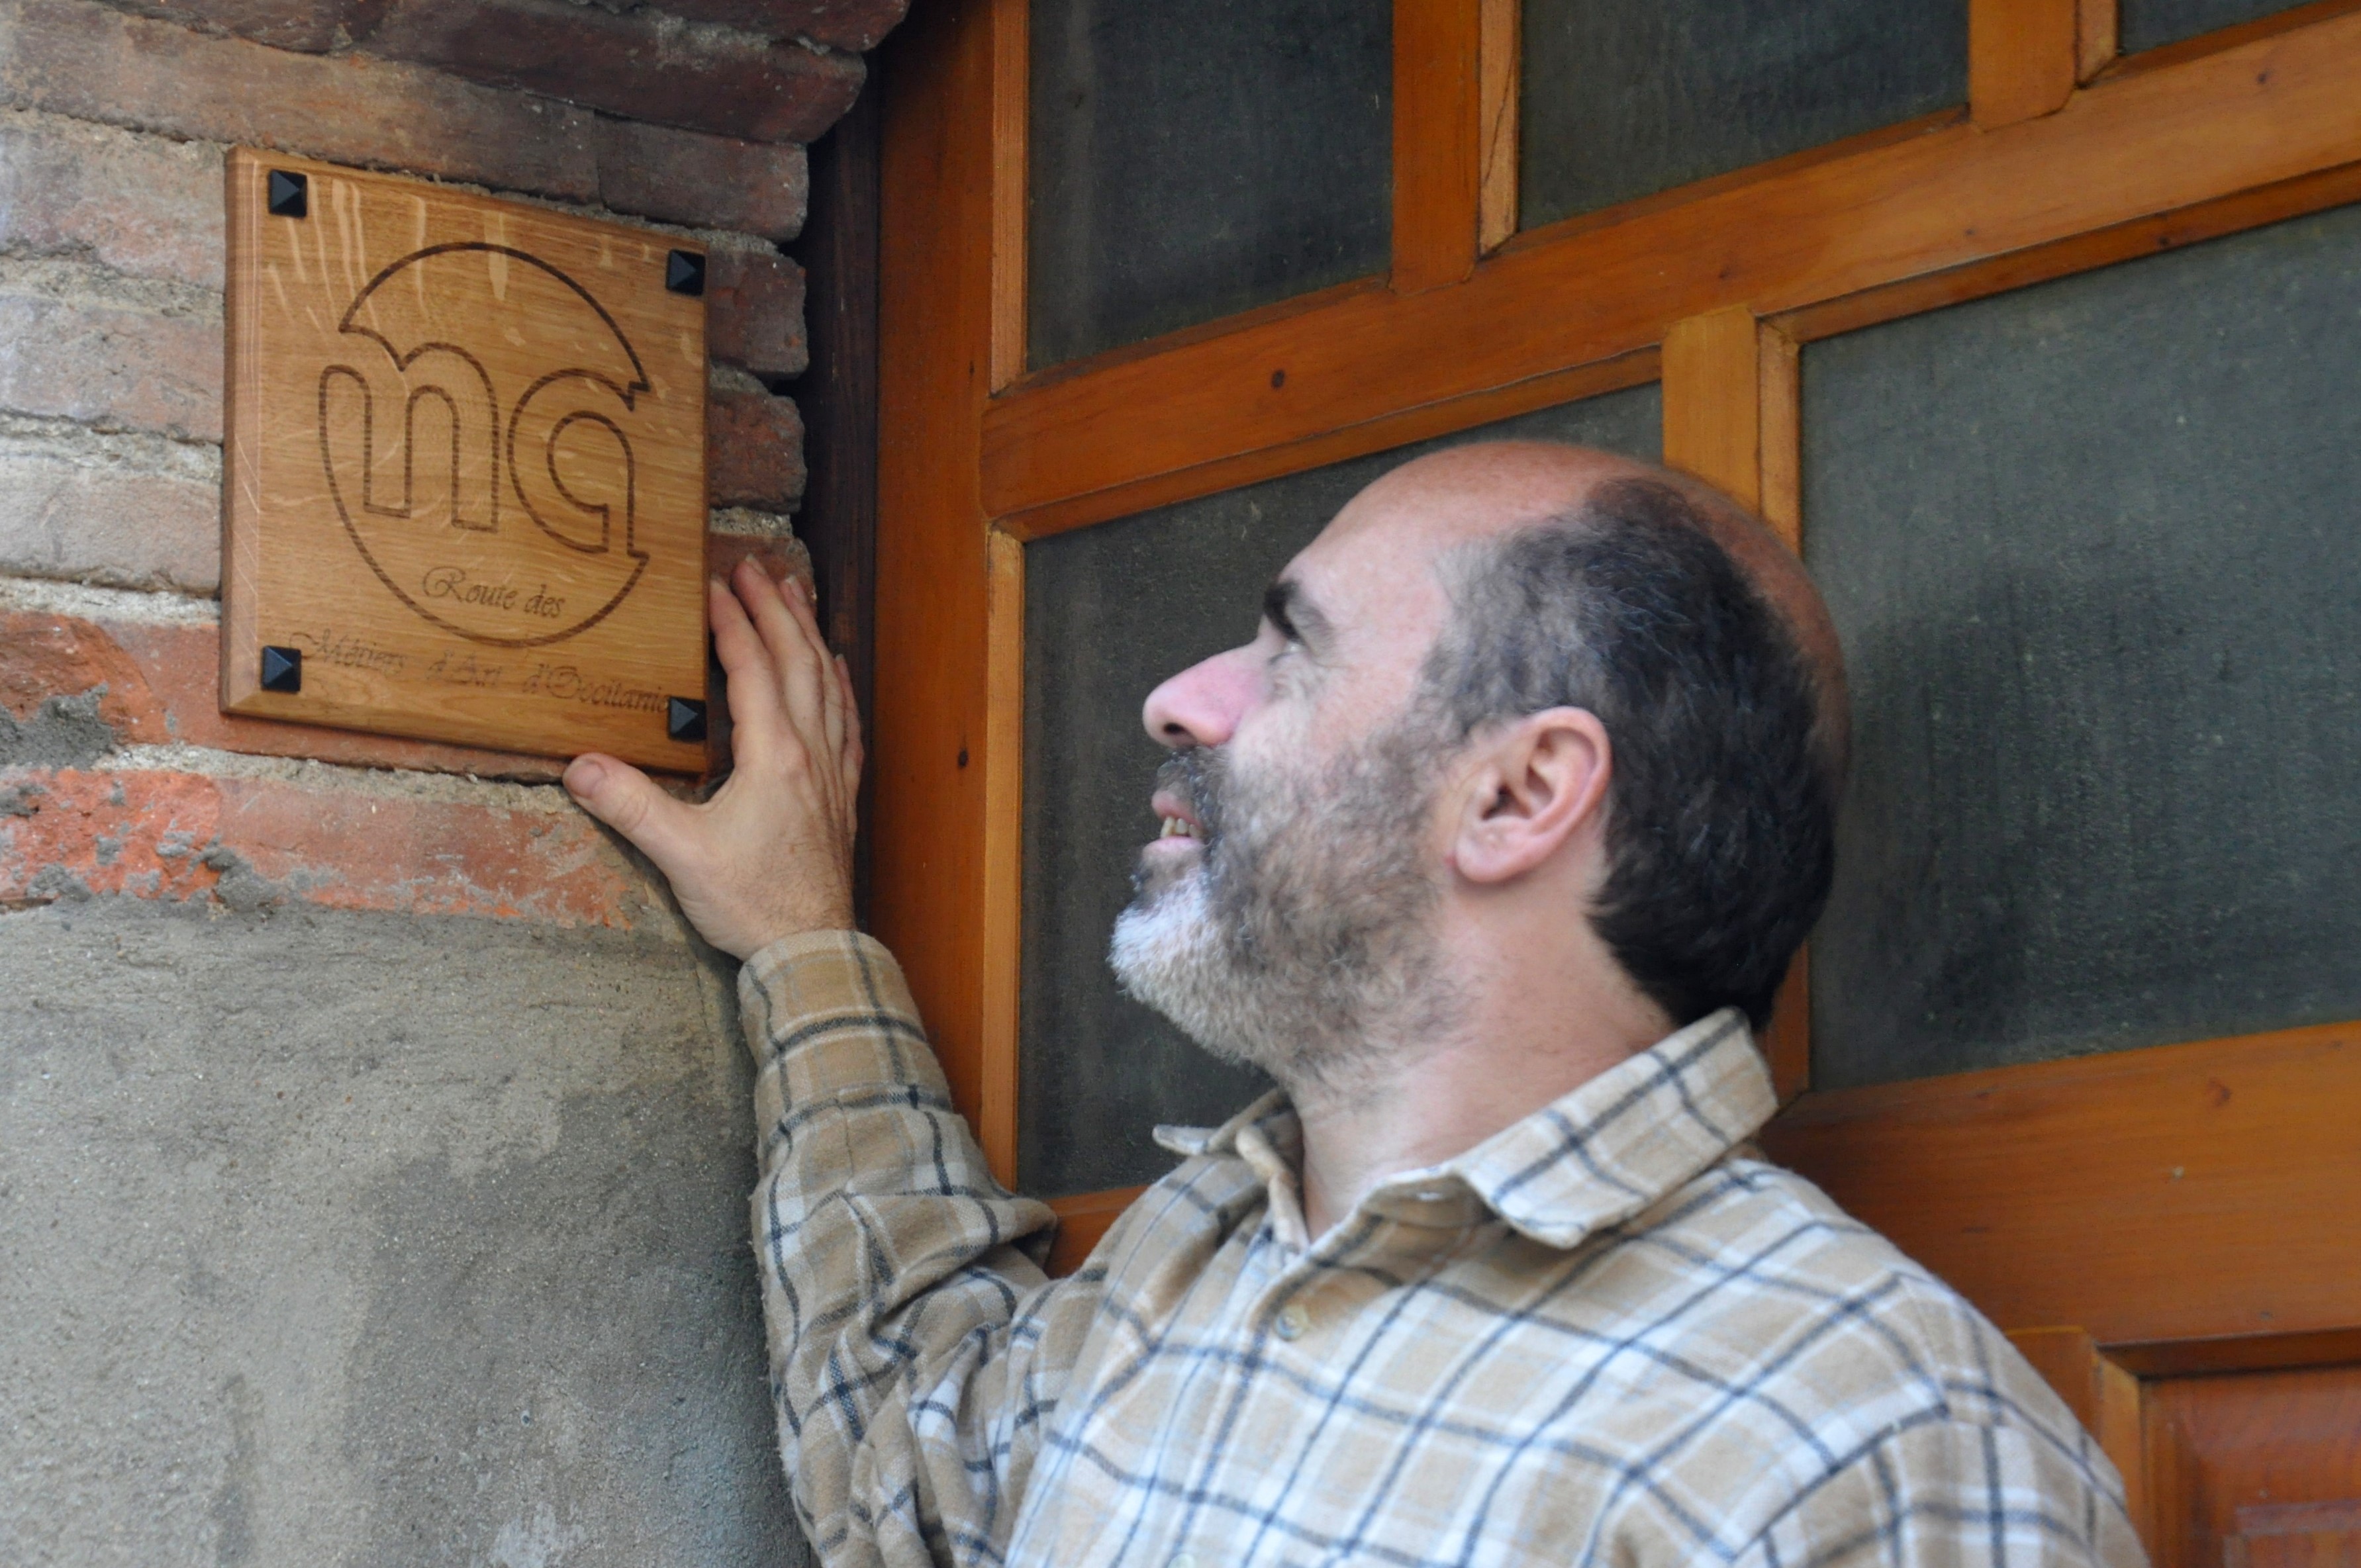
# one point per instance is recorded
(771, 854)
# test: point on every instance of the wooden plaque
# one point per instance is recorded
(465, 469)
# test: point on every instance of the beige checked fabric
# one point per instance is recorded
(1609, 1334)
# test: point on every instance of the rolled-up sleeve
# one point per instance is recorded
(915, 1343)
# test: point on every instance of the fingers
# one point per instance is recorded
(849, 755)
(755, 710)
(625, 800)
(789, 650)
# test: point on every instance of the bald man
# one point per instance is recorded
(1491, 849)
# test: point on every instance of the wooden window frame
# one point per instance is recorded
(2065, 158)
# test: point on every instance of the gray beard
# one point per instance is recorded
(1302, 942)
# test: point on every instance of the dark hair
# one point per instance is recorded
(1722, 807)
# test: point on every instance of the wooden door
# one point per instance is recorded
(2148, 1175)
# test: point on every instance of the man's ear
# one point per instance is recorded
(1533, 785)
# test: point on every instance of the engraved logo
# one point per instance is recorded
(503, 513)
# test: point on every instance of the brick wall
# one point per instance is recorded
(373, 1143)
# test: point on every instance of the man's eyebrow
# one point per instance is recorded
(1287, 609)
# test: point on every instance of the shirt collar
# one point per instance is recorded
(1590, 1159)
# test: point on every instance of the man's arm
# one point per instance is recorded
(914, 1345)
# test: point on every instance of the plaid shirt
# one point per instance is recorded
(1609, 1333)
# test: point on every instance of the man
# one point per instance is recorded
(1488, 847)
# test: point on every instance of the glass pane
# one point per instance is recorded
(1109, 612)
(1624, 98)
(2093, 550)
(2145, 24)
(1192, 158)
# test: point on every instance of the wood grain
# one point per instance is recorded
(1713, 402)
(1437, 134)
(1500, 83)
(2133, 146)
(1004, 854)
(1334, 446)
(2270, 1456)
(2078, 253)
(466, 454)
(2173, 1193)
(932, 728)
(2024, 58)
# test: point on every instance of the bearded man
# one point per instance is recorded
(1489, 848)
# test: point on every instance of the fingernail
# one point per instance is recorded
(582, 775)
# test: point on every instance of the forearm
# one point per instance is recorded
(883, 1242)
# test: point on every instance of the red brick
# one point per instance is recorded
(840, 23)
(687, 177)
(72, 57)
(642, 65)
(754, 312)
(139, 205)
(753, 451)
(315, 27)
(183, 838)
(106, 360)
(43, 655)
(163, 686)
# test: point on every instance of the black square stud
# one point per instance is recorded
(282, 669)
(685, 272)
(683, 718)
(291, 194)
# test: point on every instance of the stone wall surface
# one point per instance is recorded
(368, 1239)
(374, 1150)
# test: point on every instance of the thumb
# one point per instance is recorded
(627, 800)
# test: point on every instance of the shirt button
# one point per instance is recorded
(1182, 1561)
(1294, 1321)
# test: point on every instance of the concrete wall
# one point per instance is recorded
(374, 1137)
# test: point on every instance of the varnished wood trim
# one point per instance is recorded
(1010, 173)
(2133, 145)
(2173, 1193)
(2120, 1423)
(2240, 1352)
(1713, 402)
(1336, 445)
(1437, 159)
(2094, 38)
(1499, 82)
(2024, 58)
(2080, 253)
(1082, 1220)
(2170, 57)
(1003, 853)
(930, 731)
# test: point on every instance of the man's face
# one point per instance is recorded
(1284, 917)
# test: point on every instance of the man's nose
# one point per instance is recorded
(1201, 704)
